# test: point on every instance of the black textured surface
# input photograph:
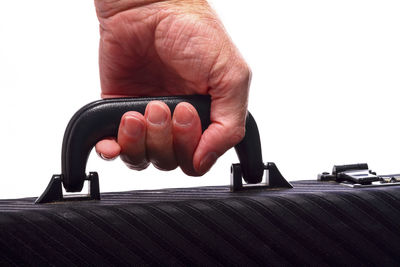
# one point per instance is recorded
(313, 224)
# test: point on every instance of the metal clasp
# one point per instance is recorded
(358, 176)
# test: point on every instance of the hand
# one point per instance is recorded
(175, 47)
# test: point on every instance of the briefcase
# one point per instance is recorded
(348, 217)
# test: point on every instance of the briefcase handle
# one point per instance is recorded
(100, 119)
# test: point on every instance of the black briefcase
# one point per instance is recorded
(348, 217)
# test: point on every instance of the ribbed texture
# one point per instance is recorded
(320, 224)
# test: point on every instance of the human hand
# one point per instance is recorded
(172, 47)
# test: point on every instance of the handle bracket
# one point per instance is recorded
(54, 193)
(274, 179)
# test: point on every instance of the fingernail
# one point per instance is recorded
(185, 116)
(157, 114)
(105, 157)
(132, 126)
(207, 162)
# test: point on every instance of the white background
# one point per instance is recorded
(326, 80)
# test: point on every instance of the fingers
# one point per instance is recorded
(224, 132)
(132, 139)
(159, 141)
(108, 149)
(186, 134)
(155, 138)
(228, 115)
(215, 141)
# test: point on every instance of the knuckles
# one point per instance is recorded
(134, 165)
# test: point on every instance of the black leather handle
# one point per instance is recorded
(101, 119)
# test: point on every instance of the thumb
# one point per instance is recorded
(228, 117)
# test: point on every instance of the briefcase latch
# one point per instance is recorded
(359, 175)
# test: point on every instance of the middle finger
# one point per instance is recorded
(159, 140)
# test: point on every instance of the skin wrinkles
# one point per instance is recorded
(108, 8)
(175, 47)
(181, 48)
